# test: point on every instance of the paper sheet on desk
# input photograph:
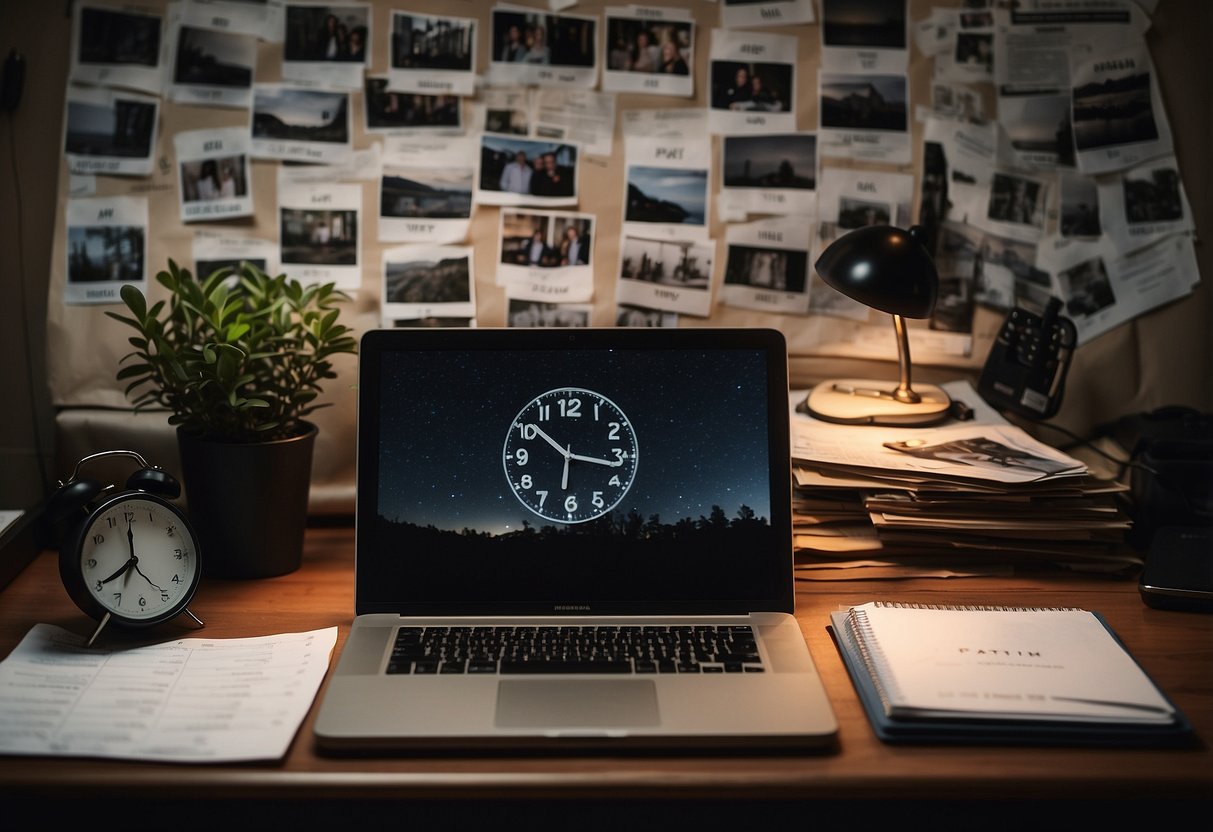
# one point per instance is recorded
(861, 448)
(193, 700)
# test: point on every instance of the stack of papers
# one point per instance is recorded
(978, 497)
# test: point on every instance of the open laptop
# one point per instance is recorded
(573, 538)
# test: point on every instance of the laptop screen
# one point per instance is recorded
(592, 472)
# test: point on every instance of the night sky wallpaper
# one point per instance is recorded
(700, 500)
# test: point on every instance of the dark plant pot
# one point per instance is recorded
(248, 502)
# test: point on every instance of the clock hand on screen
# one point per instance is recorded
(564, 477)
(550, 440)
(612, 463)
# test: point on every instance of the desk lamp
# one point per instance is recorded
(890, 270)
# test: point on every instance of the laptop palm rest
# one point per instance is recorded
(576, 703)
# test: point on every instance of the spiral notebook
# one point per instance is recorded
(1022, 675)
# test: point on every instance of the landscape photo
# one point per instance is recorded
(298, 114)
(863, 102)
(214, 59)
(122, 129)
(428, 281)
(435, 193)
(1112, 112)
(778, 161)
(666, 195)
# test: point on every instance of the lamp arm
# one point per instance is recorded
(904, 393)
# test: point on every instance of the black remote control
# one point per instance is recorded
(1025, 371)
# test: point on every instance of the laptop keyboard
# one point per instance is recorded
(576, 649)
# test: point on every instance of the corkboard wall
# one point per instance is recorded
(1164, 357)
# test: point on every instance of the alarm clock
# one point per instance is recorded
(570, 455)
(128, 556)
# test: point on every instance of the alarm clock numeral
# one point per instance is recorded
(543, 497)
(569, 408)
(521, 456)
(98, 539)
(570, 504)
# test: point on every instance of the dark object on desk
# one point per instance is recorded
(888, 269)
(1179, 569)
(1026, 369)
(19, 544)
(140, 542)
(1171, 482)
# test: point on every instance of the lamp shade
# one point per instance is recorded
(883, 267)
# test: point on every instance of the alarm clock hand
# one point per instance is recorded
(564, 477)
(122, 570)
(134, 561)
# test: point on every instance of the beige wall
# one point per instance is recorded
(1164, 357)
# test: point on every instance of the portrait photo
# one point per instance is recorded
(775, 269)
(543, 39)
(112, 253)
(318, 237)
(210, 179)
(761, 87)
(389, 110)
(1087, 288)
(528, 168)
(326, 33)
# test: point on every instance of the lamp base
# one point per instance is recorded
(852, 401)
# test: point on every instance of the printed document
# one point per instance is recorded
(192, 700)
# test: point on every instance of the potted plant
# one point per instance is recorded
(238, 358)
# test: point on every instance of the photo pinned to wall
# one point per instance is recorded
(429, 322)
(670, 275)
(1103, 288)
(425, 190)
(649, 50)
(318, 233)
(213, 174)
(215, 250)
(1117, 111)
(300, 124)
(106, 248)
(865, 36)
(997, 272)
(850, 199)
(583, 117)
(1079, 212)
(960, 102)
(209, 66)
(326, 43)
(1037, 131)
(435, 55)
(387, 111)
(428, 281)
(1017, 205)
(629, 314)
(775, 174)
(533, 48)
(117, 48)
(534, 313)
(752, 79)
(666, 187)
(546, 255)
(1144, 204)
(767, 265)
(526, 172)
(506, 112)
(259, 18)
(744, 14)
(864, 117)
(110, 131)
(971, 56)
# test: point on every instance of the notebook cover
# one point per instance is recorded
(992, 731)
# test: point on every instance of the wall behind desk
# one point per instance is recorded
(1163, 357)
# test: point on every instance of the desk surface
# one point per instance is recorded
(1176, 648)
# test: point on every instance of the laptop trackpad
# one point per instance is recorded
(576, 703)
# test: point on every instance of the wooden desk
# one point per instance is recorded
(1175, 648)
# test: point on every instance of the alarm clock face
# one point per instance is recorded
(138, 559)
(570, 455)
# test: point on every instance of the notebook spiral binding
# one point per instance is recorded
(861, 637)
(899, 605)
